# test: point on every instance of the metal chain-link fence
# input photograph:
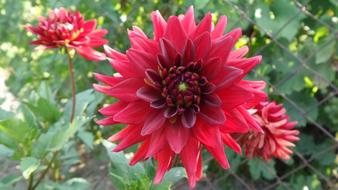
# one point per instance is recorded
(312, 126)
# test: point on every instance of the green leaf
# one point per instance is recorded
(29, 165)
(5, 114)
(278, 18)
(326, 49)
(304, 103)
(56, 137)
(87, 138)
(5, 151)
(171, 177)
(10, 179)
(258, 167)
(131, 175)
(47, 110)
(199, 4)
(83, 100)
(45, 92)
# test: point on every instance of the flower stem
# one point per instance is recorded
(44, 173)
(71, 72)
(30, 186)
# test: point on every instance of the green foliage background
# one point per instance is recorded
(299, 48)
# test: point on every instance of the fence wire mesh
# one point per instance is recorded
(297, 39)
(303, 163)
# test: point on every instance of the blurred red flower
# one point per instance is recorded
(278, 136)
(64, 28)
(179, 91)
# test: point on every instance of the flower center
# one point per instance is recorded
(183, 86)
(179, 89)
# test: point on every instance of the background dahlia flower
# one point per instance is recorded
(181, 91)
(68, 29)
(278, 136)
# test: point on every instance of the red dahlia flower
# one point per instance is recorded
(68, 29)
(278, 133)
(181, 91)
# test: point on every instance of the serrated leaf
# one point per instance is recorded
(29, 165)
(258, 168)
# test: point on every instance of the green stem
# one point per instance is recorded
(44, 173)
(71, 72)
(30, 185)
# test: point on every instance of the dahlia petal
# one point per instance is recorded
(90, 53)
(175, 33)
(202, 45)
(140, 153)
(190, 158)
(113, 108)
(121, 134)
(239, 53)
(230, 142)
(189, 52)
(212, 68)
(219, 28)
(153, 122)
(245, 64)
(157, 143)
(164, 159)
(114, 54)
(107, 121)
(153, 76)
(199, 171)
(124, 90)
(139, 41)
(188, 21)
(188, 118)
(212, 100)
(98, 33)
(159, 24)
(168, 50)
(221, 48)
(170, 112)
(130, 139)
(219, 155)
(148, 94)
(204, 25)
(207, 135)
(212, 115)
(141, 60)
(235, 34)
(177, 137)
(89, 25)
(251, 121)
(131, 113)
(93, 42)
(109, 80)
(234, 96)
(158, 104)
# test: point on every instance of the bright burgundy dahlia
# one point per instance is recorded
(181, 91)
(64, 28)
(278, 136)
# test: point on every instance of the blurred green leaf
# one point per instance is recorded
(258, 167)
(56, 137)
(29, 165)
